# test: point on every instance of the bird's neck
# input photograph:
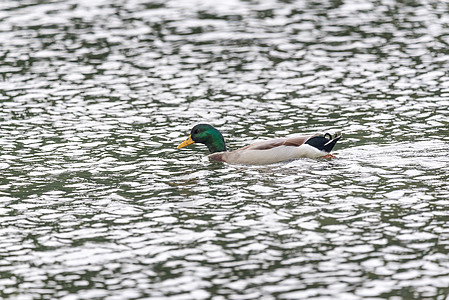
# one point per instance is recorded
(217, 144)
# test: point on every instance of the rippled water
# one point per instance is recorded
(96, 202)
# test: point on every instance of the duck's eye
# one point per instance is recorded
(195, 131)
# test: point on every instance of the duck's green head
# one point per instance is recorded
(207, 135)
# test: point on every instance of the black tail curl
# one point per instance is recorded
(324, 143)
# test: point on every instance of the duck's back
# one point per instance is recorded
(270, 151)
(294, 141)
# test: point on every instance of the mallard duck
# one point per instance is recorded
(262, 152)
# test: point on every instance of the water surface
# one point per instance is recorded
(96, 202)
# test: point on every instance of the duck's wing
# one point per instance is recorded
(295, 141)
(265, 152)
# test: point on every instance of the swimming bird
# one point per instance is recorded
(262, 152)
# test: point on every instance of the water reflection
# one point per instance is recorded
(96, 201)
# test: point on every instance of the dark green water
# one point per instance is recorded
(96, 202)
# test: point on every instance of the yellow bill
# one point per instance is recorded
(187, 142)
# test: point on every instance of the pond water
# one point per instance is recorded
(96, 202)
